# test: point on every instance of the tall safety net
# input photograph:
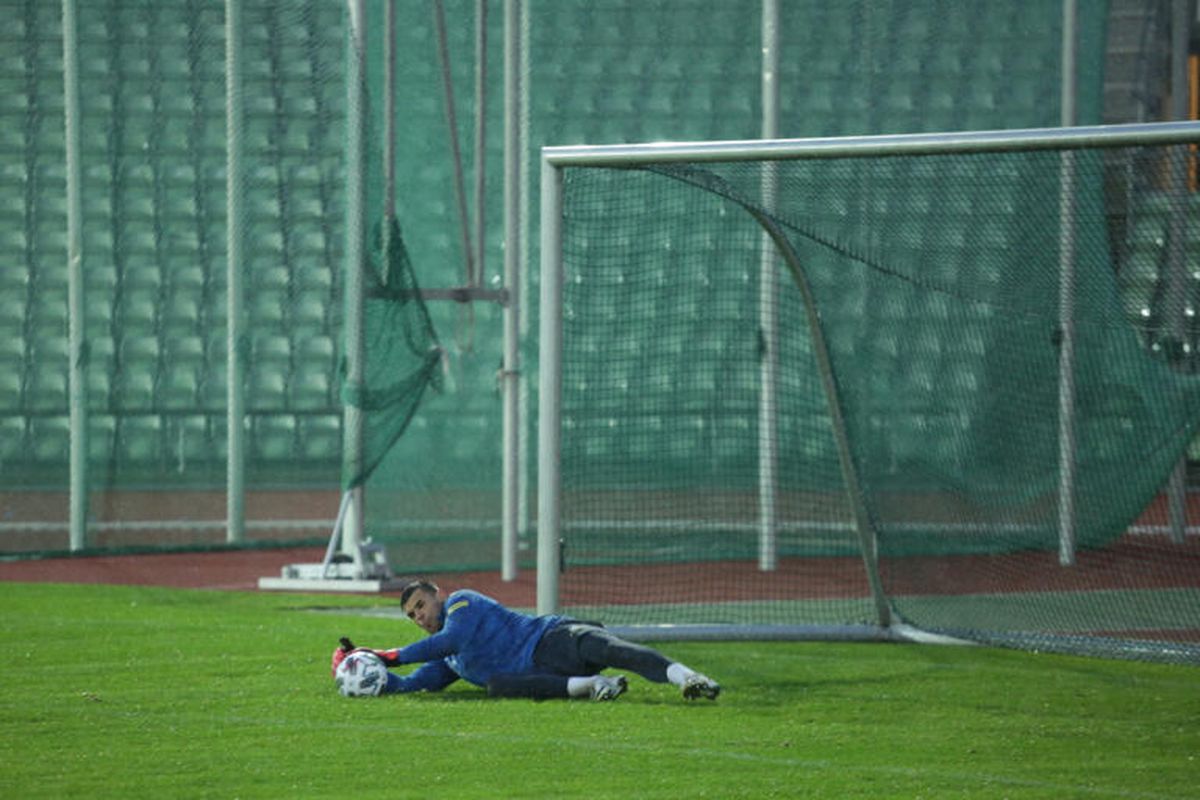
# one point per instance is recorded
(156, 191)
(155, 132)
(1012, 391)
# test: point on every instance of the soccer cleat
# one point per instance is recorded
(700, 686)
(606, 688)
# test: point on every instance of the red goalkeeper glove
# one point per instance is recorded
(339, 653)
(347, 647)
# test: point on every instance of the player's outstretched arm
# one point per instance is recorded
(346, 647)
(432, 676)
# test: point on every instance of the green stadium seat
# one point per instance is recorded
(97, 311)
(175, 67)
(14, 447)
(267, 309)
(190, 441)
(49, 439)
(186, 349)
(179, 386)
(139, 439)
(311, 388)
(14, 271)
(11, 384)
(133, 389)
(274, 437)
(102, 435)
(311, 272)
(271, 349)
(320, 438)
(310, 312)
(98, 383)
(317, 350)
(267, 387)
(215, 386)
(46, 389)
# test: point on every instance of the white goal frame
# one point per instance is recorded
(554, 160)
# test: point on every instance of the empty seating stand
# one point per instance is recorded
(154, 182)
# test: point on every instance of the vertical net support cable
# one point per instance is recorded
(768, 554)
(77, 385)
(235, 480)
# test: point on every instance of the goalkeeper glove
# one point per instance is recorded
(347, 647)
(339, 653)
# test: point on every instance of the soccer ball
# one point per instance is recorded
(361, 674)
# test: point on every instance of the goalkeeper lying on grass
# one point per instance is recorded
(473, 637)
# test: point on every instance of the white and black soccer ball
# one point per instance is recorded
(361, 674)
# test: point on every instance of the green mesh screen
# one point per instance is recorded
(936, 283)
(155, 230)
(155, 248)
(401, 350)
(627, 71)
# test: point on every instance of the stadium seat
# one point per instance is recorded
(310, 387)
(102, 429)
(139, 439)
(49, 439)
(267, 387)
(267, 309)
(178, 387)
(190, 442)
(46, 386)
(133, 389)
(320, 437)
(11, 384)
(14, 448)
(181, 316)
(274, 437)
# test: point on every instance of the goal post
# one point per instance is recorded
(919, 420)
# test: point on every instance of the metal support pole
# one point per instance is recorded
(235, 227)
(352, 454)
(1066, 356)
(1177, 279)
(767, 311)
(550, 391)
(76, 377)
(513, 223)
(524, 516)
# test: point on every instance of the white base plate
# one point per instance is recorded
(339, 578)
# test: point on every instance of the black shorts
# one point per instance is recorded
(583, 648)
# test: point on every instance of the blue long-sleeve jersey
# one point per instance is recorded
(479, 638)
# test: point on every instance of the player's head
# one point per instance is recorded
(422, 604)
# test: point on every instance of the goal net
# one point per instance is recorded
(853, 384)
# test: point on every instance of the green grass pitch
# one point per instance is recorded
(135, 692)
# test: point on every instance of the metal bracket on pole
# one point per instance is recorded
(366, 570)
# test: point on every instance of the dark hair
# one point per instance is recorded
(417, 583)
